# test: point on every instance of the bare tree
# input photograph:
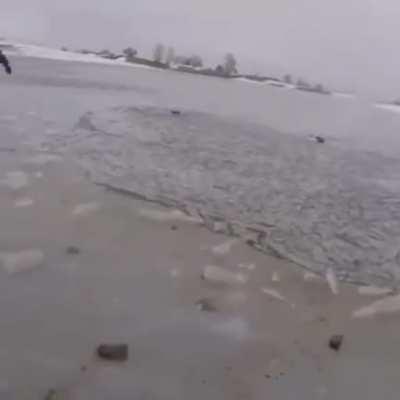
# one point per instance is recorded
(196, 61)
(130, 53)
(158, 54)
(219, 70)
(288, 79)
(230, 64)
(302, 83)
(170, 55)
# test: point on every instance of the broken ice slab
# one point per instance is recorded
(22, 261)
(15, 180)
(85, 209)
(218, 275)
(387, 305)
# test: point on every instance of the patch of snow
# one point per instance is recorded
(29, 50)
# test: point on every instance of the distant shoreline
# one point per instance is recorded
(18, 49)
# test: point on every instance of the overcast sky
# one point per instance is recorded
(347, 43)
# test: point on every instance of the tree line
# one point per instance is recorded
(167, 56)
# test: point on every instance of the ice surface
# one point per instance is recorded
(320, 206)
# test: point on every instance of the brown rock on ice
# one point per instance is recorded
(206, 304)
(73, 250)
(335, 342)
(113, 352)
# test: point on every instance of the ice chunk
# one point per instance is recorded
(275, 277)
(310, 276)
(249, 267)
(224, 248)
(276, 295)
(82, 210)
(384, 306)
(220, 275)
(23, 202)
(15, 180)
(22, 261)
(373, 291)
(332, 280)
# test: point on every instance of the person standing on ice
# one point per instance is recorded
(4, 61)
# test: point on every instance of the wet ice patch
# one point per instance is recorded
(384, 306)
(22, 261)
(168, 216)
(235, 328)
(218, 275)
(332, 281)
(23, 202)
(85, 209)
(15, 180)
(43, 159)
(373, 291)
(224, 248)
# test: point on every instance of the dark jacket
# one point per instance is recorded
(4, 61)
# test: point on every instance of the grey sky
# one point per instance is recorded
(347, 43)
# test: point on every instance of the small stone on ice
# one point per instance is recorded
(73, 250)
(335, 342)
(113, 352)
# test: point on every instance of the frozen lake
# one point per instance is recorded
(239, 152)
